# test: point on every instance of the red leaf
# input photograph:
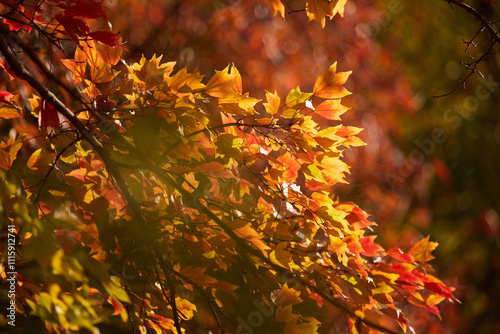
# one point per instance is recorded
(369, 246)
(5, 97)
(48, 116)
(406, 275)
(399, 255)
(105, 37)
(67, 239)
(440, 289)
(16, 26)
(73, 27)
(435, 285)
(85, 8)
(442, 171)
(7, 70)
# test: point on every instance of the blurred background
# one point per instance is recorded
(431, 166)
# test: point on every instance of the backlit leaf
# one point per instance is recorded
(317, 10)
(8, 111)
(330, 83)
(421, 251)
(331, 109)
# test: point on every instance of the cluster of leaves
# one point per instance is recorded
(167, 201)
(317, 10)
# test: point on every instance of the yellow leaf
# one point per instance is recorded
(209, 255)
(421, 250)
(277, 7)
(113, 287)
(317, 10)
(185, 307)
(338, 7)
(273, 103)
(382, 288)
(296, 99)
(35, 104)
(307, 328)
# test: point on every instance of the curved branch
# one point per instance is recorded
(484, 22)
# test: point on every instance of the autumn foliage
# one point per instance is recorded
(149, 198)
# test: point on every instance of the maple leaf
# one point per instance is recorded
(105, 37)
(73, 27)
(370, 248)
(222, 84)
(9, 111)
(317, 10)
(109, 55)
(421, 251)
(338, 7)
(286, 296)
(8, 151)
(329, 83)
(331, 109)
(90, 9)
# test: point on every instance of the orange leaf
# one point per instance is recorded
(222, 83)
(78, 69)
(329, 83)
(8, 111)
(214, 169)
(331, 109)
(286, 296)
(8, 152)
(40, 159)
(102, 73)
(109, 55)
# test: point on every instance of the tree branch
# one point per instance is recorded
(484, 22)
(111, 166)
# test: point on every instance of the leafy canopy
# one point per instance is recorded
(153, 196)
